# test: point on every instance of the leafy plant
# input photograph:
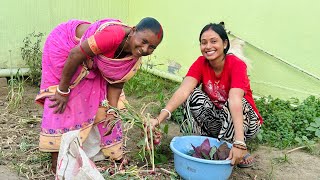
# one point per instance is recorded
(205, 151)
(150, 87)
(32, 55)
(315, 127)
(286, 121)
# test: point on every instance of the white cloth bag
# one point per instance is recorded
(73, 163)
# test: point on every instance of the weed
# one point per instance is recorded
(32, 55)
(281, 160)
(16, 91)
(285, 123)
(270, 174)
(145, 84)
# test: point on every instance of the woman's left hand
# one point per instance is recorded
(236, 155)
(59, 102)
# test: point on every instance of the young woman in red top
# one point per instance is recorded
(224, 108)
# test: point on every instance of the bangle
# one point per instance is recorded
(113, 112)
(63, 93)
(241, 143)
(167, 112)
(239, 146)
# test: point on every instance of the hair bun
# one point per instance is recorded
(222, 24)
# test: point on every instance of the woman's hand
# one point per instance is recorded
(154, 123)
(60, 102)
(236, 155)
(111, 119)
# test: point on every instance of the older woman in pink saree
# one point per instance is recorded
(84, 67)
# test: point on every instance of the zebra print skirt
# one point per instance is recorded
(202, 117)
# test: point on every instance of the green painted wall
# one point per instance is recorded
(286, 29)
(21, 17)
(288, 32)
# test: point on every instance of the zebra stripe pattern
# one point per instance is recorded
(202, 117)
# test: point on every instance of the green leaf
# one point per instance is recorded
(317, 121)
(259, 136)
(141, 142)
(298, 140)
(305, 138)
(314, 125)
(191, 152)
(311, 129)
(166, 129)
(205, 156)
(318, 133)
(212, 151)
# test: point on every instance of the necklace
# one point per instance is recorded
(122, 47)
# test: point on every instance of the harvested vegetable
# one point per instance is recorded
(205, 151)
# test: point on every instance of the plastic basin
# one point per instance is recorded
(192, 168)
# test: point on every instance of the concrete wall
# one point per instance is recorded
(286, 30)
(21, 17)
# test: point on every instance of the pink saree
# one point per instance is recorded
(84, 109)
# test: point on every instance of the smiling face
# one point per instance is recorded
(143, 43)
(212, 46)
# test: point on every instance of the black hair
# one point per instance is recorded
(219, 29)
(151, 24)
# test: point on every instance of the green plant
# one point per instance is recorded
(147, 144)
(285, 122)
(315, 127)
(16, 91)
(147, 85)
(304, 142)
(32, 55)
(280, 160)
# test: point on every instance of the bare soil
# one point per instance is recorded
(21, 159)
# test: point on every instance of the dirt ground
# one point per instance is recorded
(19, 133)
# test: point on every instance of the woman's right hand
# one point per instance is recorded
(59, 102)
(236, 155)
(154, 123)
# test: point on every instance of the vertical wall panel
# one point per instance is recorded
(20, 18)
(286, 29)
